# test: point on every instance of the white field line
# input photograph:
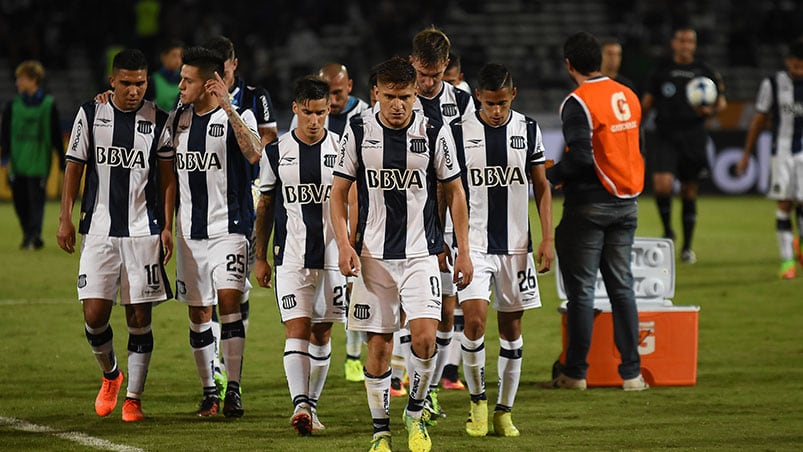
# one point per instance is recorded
(80, 438)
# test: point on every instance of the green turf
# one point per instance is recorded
(748, 395)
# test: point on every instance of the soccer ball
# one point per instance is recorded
(701, 92)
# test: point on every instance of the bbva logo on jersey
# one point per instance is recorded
(496, 176)
(120, 156)
(307, 193)
(197, 161)
(394, 179)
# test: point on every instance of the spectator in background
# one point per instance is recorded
(30, 133)
(678, 147)
(779, 105)
(163, 89)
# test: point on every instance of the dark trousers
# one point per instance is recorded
(591, 238)
(29, 203)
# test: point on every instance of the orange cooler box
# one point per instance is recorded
(668, 333)
(668, 347)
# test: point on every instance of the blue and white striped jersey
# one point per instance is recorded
(214, 178)
(396, 171)
(119, 150)
(450, 104)
(300, 175)
(496, 163)
(337, 123)
(782, 97)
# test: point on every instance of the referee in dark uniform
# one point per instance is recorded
(678, 148)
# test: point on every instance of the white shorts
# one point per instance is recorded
(384, 285)
(786, 177)
(314, 293)
(132, 265)
(205, 266)
(448, 287)
(512, 278)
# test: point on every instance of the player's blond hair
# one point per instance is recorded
(32, 69)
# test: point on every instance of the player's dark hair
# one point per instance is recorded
(493, 77)
(607, 41)
(396, 72)
(796, 49)
(454, 60)
(583, 52)
(309, 88)
(222, 46)
(170, 44)
(431, 47)
(130, 60)
(207, 61)
(372, 78)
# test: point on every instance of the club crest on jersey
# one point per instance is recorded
(144, 127)
(518, 142)
(496, 176)
(393, 179)
(362, 311)
(418, 145)
(329, 160)
(120, 156)
(289, 301)
(449, 109)
(307, 193)
(197, 161)
(216, 130)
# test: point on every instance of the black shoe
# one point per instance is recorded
(37, 243)
(233, 406)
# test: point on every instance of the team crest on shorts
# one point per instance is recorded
(81, 281)
(362, 311)
(181, 288)
(289, 301)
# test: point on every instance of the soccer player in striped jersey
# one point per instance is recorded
(243, 96)
(396, 158)
(780, 104)
(442, 102)
(343, 106)
(215, 149)
(126, 222)
(295, 181)
(501, 153)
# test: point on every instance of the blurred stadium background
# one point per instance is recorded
(279, 41)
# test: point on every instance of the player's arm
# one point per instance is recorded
(543, 203)
(263, 229)
(647, 101)
(348, 261)
(249, 141)
(353, 214)
(267, 134)
(72, 179)
(167, 187)
(759, 122)
(456, 200)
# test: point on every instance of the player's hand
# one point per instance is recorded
(463, 270)
(545, 257)
(262, 271)
(66, 236)
(104, 97)
(348, 262)
(705, 111)
(167, 245)
(217, 88)
(742, 165)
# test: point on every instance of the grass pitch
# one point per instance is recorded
(748, 395)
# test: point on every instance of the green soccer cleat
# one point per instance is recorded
(477, 423)
(417, 437)
(354, 370)
(380, 442)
